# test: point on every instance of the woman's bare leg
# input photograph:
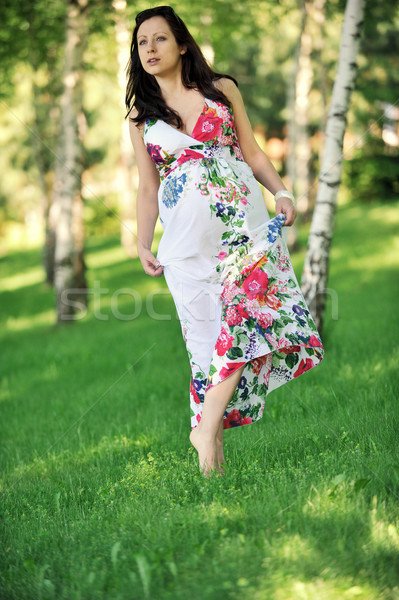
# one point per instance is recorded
(204, 436)
(219, 444)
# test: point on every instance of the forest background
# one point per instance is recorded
(100, 492)
(284, 55)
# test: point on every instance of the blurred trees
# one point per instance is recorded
(372, 168)
(30, 87)
(255, 41)
(127, 161)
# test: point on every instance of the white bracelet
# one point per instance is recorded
(284, 194)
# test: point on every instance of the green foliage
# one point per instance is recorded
(99, 215)
(31, 83)
(373, 172)
(378, 74)
(31, 32)
(101, 494)
(254, 41)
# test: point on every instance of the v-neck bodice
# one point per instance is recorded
(203, 110)
(213, 132)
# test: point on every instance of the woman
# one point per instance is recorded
(246, 326)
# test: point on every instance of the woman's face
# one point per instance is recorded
(159, 52)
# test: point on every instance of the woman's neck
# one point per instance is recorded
(171, 87)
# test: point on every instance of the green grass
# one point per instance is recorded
(100, 491)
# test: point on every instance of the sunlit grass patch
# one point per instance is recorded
(29, 322)
(20, 280)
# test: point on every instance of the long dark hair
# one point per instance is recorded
(143, 92)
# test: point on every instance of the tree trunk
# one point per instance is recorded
(292, 128)
(127, 161)
(315, 274)
(303, 84)
(67, 207)
(319, 43)
(42, 104)
(49, 240)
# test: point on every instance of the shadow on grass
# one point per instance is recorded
(249, 532)
(18, 262)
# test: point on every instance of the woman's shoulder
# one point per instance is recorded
(227, 87)
(224, 84)
(136, 129)
(133, 126)
(132, 115)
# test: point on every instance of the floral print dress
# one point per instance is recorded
(227, 267)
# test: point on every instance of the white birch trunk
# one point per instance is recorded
(66, 209)
(127, 161)
(49, 233)
(319, 43)
(42, 103)
(292, 129)
(315, 274)
(303, 151)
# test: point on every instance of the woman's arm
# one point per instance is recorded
(146, 203)
(261, 166)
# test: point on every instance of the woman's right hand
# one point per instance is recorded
(150, 264)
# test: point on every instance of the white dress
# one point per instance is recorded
(227, 267)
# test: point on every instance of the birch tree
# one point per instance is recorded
(303, 84)
(67, 206)
(49, 232)
(292, 234)
(127, 160)
(44, 31)
(315, 273)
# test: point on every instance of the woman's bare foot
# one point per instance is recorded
(207, 437)
(207, 451)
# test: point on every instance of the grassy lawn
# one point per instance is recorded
(100, 492)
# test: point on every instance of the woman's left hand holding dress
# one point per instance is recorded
(286, 206)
